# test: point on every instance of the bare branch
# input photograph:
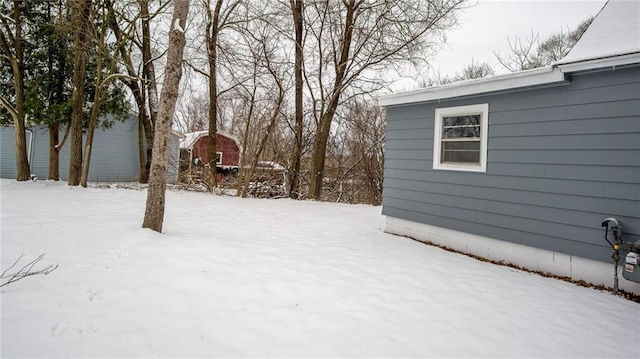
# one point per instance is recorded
(7, 106)
(25, 271)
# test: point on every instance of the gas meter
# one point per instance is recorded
(632, 263)
(631, 271)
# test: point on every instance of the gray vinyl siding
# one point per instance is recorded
(560, 159)
(8, 152)
(174, 159)
(114, 157)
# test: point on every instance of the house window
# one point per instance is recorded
(218, 158)
(460, 138)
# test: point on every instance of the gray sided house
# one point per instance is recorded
(524, 167)
(114, 157)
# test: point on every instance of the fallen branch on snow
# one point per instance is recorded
(26, 271)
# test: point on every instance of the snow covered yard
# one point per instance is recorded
(233, 277)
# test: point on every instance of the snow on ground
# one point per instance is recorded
(233, 277)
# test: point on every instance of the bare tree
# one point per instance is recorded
(98, 96)
(472, 71)
(154, 211)
(82, 10)
(139, 64)
(356, 153)
(266, 56)
(337, 46)
(213, 29)
(101, 84)
(145, 127)
(216, 21)
(12, 51)
(248, 93)
(148, 68)
(297, 13)
(354, 37)
(530, 53)
(522, 54)
(191, 115)
(58, 45)
(366, 126)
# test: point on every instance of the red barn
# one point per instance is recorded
(227, 146)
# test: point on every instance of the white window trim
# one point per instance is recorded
(483, 110)
(219, 162)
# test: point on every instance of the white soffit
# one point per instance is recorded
(530, 78)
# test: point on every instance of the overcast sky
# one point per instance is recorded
(484, 28)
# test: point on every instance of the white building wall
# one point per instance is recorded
(531, 258)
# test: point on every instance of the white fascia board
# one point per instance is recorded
(536, 77)
(600, 63)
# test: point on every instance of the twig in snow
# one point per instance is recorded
(25, 271)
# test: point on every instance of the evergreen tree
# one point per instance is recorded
(47, 45)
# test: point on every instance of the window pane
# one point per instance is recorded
(465, 145)
(461, 132)
(461, 152)
(471, 157)
(461, 120)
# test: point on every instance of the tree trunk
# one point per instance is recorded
(22, 158)
(93, 119)
(319, 155)
(93, 122)
(296, 154)
(243, 181)
(54, 152)
(212, 51)
(145, 126)
(144, 171)
(148, 69)
(154, 211)
(56, 96)
(101, 87)
(12, 49)
(324, 127)
(263, 141)
(81, 42)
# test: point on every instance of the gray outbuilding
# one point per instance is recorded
(524, 167)
(114, 157)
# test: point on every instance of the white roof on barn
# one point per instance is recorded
(190, 138)
(614, 32)
(612, 39)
